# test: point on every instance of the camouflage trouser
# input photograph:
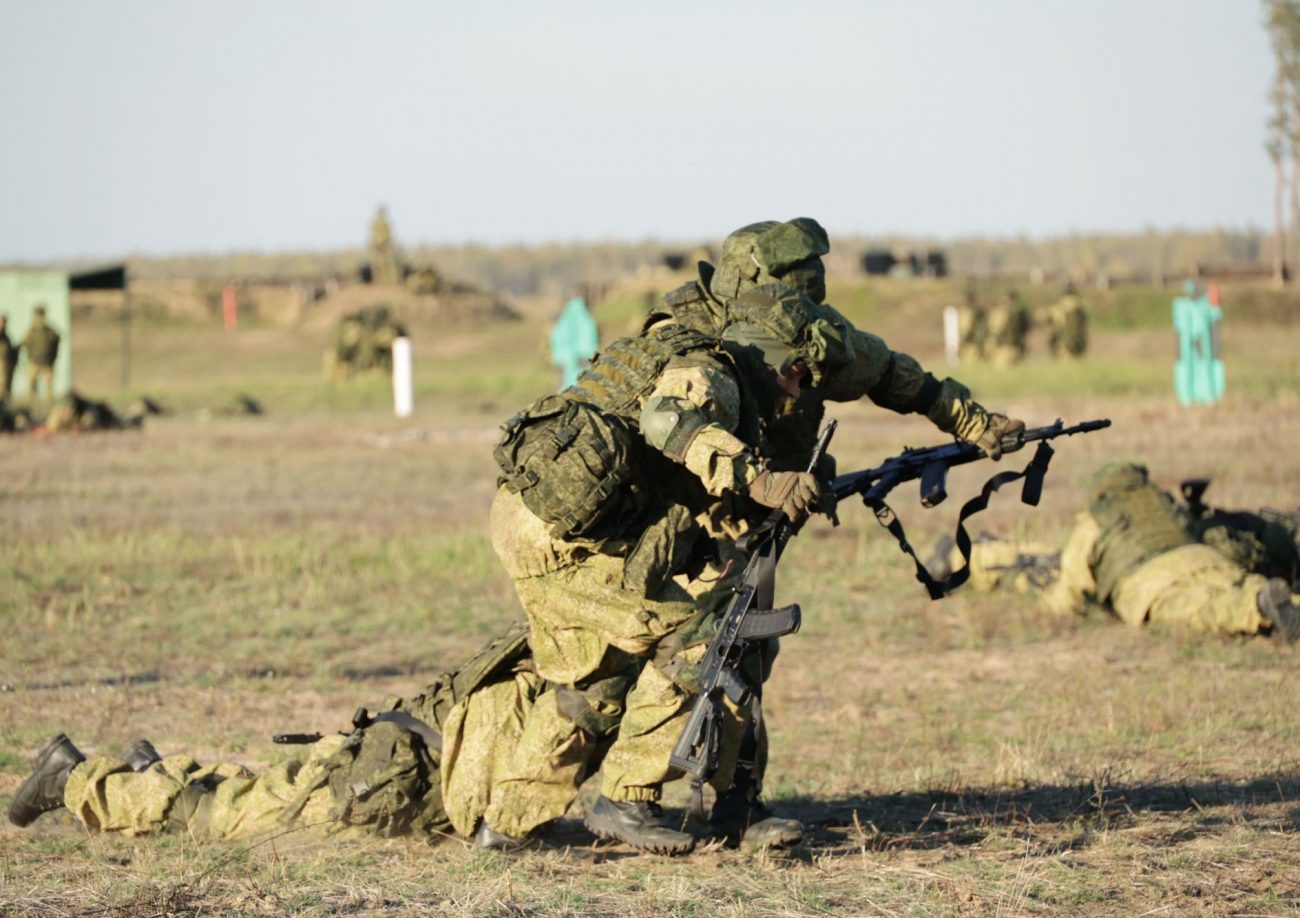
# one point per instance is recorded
(36, 375)
(1005, 355)
(1193, 586)
(601, 647)
(382, 780)
(107, 796)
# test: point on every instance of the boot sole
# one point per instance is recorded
(665, 850)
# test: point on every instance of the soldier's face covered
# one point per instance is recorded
(791, 380)
(809, 277)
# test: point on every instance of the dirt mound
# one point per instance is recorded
(457, 305)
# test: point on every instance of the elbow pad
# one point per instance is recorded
(670, 425)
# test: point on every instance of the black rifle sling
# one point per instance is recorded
(1030, 493)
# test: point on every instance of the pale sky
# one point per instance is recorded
(181, 126)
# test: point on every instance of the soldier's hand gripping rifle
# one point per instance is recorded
(930, 465)
(750, 617)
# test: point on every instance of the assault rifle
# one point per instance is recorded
(750, 616)
(931, 465)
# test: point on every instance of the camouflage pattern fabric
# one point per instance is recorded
(973, 333)
(363, 342)
(581, 615)
(1068, 320)
(41, 343)
(380, 780)
(1135, 554)
(1008, 330)
(8, 360)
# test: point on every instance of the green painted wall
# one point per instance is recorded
(20, 293)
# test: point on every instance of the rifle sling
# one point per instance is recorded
(1030, 492)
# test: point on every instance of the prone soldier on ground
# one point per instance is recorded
(79, 414)
(422, 766)
(1135, 552)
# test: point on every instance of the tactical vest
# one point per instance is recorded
(1136, 524)
(693, 306)
(577, 459)
(788, 439)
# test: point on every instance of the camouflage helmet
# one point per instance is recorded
(1116, 477)
(772, 252)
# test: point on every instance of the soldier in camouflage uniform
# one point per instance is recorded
(384, 267)
(1068, 320)
(424, 765)
(973, 330)
(1138, 553)
(617, 521)
(1008, 330)
(8, 360)
(42, 345)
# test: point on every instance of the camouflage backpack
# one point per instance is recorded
(575, 467)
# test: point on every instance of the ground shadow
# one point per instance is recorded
(968, 815)
(1059, 816)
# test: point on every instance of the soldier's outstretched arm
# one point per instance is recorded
(856, 364)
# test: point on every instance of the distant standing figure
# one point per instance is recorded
(973, 328)
(8, 360)
(42, 345)
(574, 341)
(1009, 324)
(1069, 321)
(383, 250)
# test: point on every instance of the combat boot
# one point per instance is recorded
(140, 755)
(43, 789)
(640, 824)
(1275, 604)
(739, 815)
(490, 838)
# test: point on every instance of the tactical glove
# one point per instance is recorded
(1000, 427)
(793, 493)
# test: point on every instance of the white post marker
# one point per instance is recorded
(951, 335)
(403, 396)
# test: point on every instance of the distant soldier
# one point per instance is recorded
(383, 250)
(1134, 551)
(341, 359)
(1008, 328)
(1069, 323)
(424, 281)
(973, 329)
(42, 345)
(77, 413)
(8, 360)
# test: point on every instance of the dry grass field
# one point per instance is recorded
(212, 580)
